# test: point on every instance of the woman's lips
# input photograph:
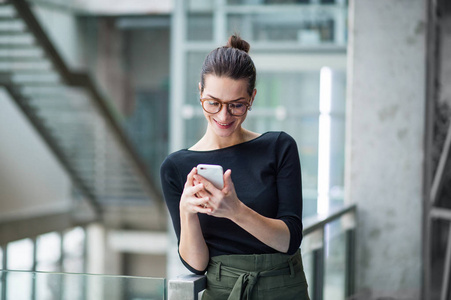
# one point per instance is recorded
(223, 125)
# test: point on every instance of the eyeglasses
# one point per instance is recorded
(213, 106)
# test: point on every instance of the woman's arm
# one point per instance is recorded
(192, 246)
(225, 204)
(272, 232)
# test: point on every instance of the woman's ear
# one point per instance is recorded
(200, 88)
(253, 96)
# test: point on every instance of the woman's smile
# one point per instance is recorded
(224, 125)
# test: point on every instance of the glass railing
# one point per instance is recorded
(327, 253)
(25, 285)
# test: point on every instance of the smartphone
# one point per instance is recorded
(212, 173)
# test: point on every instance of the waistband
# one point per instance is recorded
(263, 265)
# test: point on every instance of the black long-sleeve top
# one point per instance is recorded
(266, 174)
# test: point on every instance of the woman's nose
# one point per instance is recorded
(224, 111)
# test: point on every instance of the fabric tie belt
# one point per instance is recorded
(247, 280)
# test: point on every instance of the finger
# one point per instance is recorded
(203, 210)
(209, 187)
(203, 193)
(196, 189)
(190, 177)
(203, 202)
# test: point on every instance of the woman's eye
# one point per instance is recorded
(213, 103)
(236, 105)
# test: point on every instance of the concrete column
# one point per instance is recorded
(384, 171)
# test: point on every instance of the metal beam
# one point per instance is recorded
(33, 226)
(437, 183)
(440, 213)
(446, 269)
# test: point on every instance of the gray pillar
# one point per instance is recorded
(384, 171)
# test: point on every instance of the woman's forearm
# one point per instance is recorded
(193, 248)
(272, 232)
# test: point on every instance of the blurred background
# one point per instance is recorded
(94, 94)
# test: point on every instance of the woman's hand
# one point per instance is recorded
(192, 247)
(225, 204)
(221, 203)
(192, 201)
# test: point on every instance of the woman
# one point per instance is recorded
(247, 235)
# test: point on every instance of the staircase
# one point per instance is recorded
(72, 116)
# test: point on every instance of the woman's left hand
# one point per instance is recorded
(223, 203)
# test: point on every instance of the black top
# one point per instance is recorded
(266, 173)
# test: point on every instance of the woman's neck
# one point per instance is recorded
(211, 141)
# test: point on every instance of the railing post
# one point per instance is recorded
(315, 245)
(3, 274)
(318, 274)
(186, 287)
(350, 263)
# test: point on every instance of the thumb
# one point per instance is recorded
(228, 178)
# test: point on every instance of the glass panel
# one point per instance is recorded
(279, 2)
(307, 27)
(337, 162)
(19, 286)
(80, 286)
(337, 143)
(1, 258)
(335, 262)
(73, 247)
(200, 5)
(200, 27)
(48, 252)
(195, 129)
(289, 101)
(307, 261)
(194, 68)
(20, 255)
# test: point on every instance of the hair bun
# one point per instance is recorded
(235, 41)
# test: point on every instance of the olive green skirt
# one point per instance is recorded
(256, 276)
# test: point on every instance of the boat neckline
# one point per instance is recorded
(228, 147)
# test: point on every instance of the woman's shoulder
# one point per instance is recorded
(278, 137)
(173, 159)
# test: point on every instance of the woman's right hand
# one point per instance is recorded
(192, 247)
(189, 202)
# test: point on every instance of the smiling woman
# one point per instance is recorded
(247, 235)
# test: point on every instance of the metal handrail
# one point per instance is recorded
(319, 221)
(189, 286)
(83, 80)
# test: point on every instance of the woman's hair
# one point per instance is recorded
(232, 61)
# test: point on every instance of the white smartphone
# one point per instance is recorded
(212, 173)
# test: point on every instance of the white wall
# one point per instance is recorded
(386, 119)
(31, 181)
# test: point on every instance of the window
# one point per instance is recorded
(48, 252)
(291, 42)
(20, 255)
(74, 250)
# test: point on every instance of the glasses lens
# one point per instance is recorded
(237, 109)
(211, 106)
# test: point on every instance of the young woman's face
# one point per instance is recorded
(226, 90)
